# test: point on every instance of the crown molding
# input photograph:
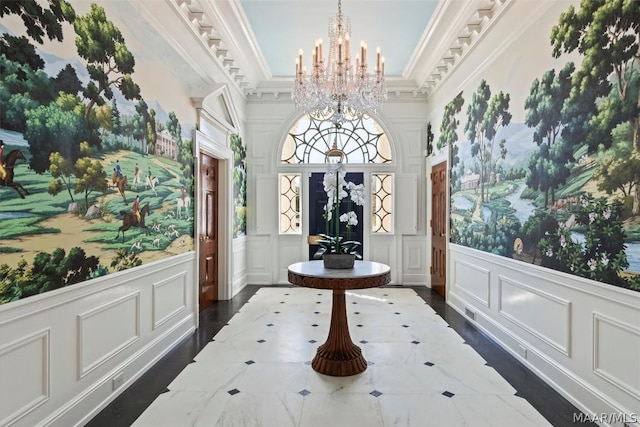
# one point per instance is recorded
(456, 27)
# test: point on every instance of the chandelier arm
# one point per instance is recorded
(335, 90)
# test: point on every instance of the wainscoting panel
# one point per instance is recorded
(107, 330)
(580, 336)
(259, 259)
(66, 354)
(169, 298)
(471, 280)
(22, 390)
(239, 276)
(523, 305)
(292, 250)
(414, 258)
(619, 366)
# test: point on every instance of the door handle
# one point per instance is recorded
(313, 240)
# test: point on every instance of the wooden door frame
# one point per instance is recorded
(224, 155)
(442, 157)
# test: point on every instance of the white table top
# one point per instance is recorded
(361, 269)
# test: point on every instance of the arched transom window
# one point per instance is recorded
(362, 140)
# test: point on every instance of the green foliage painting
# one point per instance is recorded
(94, 178)
(561, 188)
(239, 187)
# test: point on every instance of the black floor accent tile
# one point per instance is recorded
(448, 394)
(375, 393)
(233, 392)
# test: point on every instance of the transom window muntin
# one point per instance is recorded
(289, 203)
(362, 140)
(381, 202)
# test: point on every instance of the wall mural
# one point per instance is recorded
(94, 178)
(562, 188)
(239, 187)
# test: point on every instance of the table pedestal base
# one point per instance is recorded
(339, 356)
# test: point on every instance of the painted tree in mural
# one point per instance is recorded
(143, 121)
(39, 21)
(548, 167)
(109, 62)
(67, 81)
(485, 116)
(175, 130)
(239, 186)
(53, 128)
(449, 133)
(607, 34)
(616, 172)
(116, 121)
(23, 83)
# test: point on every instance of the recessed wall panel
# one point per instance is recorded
(472, 280)
(107, 330)
(24, 376)
(169, 298)
(524, 305)
(617, 364)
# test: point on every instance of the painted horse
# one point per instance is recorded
(9, 164)
(129, 220)
(119, 182)
(152, 182)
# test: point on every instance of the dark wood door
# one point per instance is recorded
(317, 202)
(208, 275)
(439, 208)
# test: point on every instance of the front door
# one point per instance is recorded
(317, 202)
(208, 195)
(439, 208)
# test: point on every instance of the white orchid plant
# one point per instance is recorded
(337, 189)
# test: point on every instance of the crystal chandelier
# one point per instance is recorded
(338, 88)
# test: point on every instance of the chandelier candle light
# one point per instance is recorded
(336, 90)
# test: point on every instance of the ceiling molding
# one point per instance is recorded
(222, 30)
(456, 40)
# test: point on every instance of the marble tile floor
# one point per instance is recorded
(421, 371)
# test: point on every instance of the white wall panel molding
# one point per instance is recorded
(620, 367)
(522, 304)
(107, 330)
(472, 280)
(169, 298)
(23, 390)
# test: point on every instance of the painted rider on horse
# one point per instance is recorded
(135, 208)
(118, 169)
(3, 170)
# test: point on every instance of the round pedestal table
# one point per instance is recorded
(339, 356)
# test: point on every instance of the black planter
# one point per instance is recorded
(338, 261)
